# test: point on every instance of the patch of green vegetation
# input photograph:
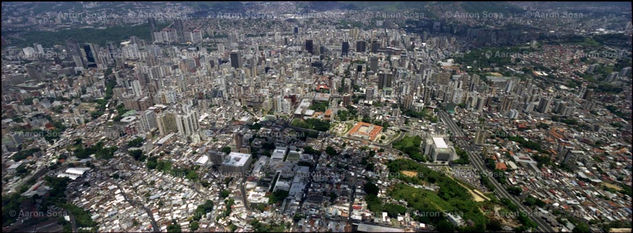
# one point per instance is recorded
(138, 141)
(451, 197)
(202, 210)
(85, 35)
(463, 157)
(98, 150)
(316, 124)
(319, 106)
(22, 154)
(330, 151)
(411, 146)
(527, 144)
(278, 197)
(260, 227)
(174, 227)
(137, 155)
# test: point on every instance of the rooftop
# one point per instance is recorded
(236, 159)
(439, 143)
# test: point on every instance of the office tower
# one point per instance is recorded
(345, 48)
(236, 60)
(152, 27)
(74, 51)
(89, 55)
(179, 26)
(373, 63)
(375, 45)
(360, 46)
(384, 80)
(309, 46)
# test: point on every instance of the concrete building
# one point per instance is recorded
(235, 163)
(436, 148)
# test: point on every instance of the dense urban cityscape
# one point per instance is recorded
(316, 116)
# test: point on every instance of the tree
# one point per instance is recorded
(514, 190)
(310, 150)
(194, 225)
(330, 151)
(493, 225)
(174, 227)
(278, 196)
(370, 188)
(224, 193)
(138, 141)
(226, 149)
(137, 155)
(581, 228)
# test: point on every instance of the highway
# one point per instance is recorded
(477, 161)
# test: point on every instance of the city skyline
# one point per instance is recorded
(317, 116)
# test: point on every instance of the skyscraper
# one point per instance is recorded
(345, 48)
(375, 45)
(373, 63)
(74, 51)
(89, 55)
(360, 46)
(236, 60)
(152, 27)
(543, 105)
(309, 46)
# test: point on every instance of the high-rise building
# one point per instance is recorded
(375, 45)
(237, 140)
(180, 30)
(384, 80)
(345, 48)
(506, 104)
(89, 55)
(148, 121)
(166, 122)
(544, 104)
(373, 63)
(187, 123)
(75, 52)
(136, 88)
(309, 46)
(361, 46)
(152, 27)
(236, 60)
(347, 100)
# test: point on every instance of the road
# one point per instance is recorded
(137, 203)
(477, 161)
